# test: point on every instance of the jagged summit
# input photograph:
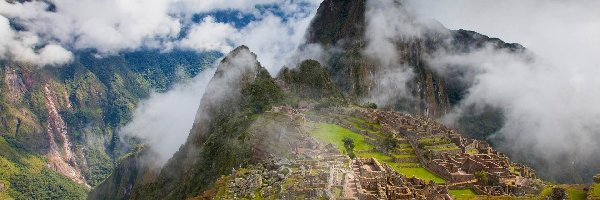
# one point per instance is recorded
(341, 27)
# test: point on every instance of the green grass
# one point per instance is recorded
(418, 172)
(547, 190)
(377, 155)
(444, 147)
(411, 155)
(334, 134)
(408, 165)
(462, 194)
(576, 192)
(337, 192)
(359, 121)
(472, 151)
(595, 190)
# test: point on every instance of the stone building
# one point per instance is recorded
(379, 181)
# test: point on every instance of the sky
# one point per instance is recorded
(551, 104)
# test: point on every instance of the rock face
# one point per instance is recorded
(60, 155)
(597, 178)
(310, 80)
(341, 26)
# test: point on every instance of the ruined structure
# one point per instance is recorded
(462, 162)
(376, 181)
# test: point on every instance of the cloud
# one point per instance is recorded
(210, 36)
(550, 110)
(388, 23)
(274, 38)
(20, 46)
(550, 103)
(114, 26)
(164, 120)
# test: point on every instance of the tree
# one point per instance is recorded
(349, 145)
(389, 143)
(482, 177)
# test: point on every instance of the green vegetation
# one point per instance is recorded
(594, 191)
(576, 192)
(25, 175)
(361, 122)
(224, 140)
(462, 194)
(349, 146)
(546, 191)
(418, 172)
(262, 93)
(94, 96)
(482, 177)
(334, 134)
(377, 155)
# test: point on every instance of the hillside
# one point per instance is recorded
(67, 117)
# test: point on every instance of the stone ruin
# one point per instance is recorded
(377, 181)
(458, 167)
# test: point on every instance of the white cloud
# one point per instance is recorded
(210, 36)
(274, 39)
(20, 46)
(164, 120)
(114, 25)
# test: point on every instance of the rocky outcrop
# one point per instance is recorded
(16, 87)
(60, 155)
